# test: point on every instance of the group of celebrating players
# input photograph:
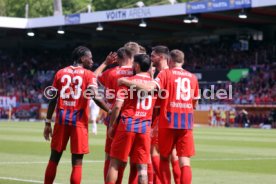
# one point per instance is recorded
(150, 117)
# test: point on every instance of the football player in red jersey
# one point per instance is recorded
(159, 58)
(132, 136)
(176, 114)
(108, 79)
(72, 108)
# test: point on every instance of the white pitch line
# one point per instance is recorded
(22, 180)
(101, 161)
(45, 162)
(232, 159)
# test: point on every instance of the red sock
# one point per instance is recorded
(106, 167)
(50, 172)
(76, 174)
(156, 163)
(186, 175)
(176, 171)
(156, 179)
(165, 173)
(121, 170)
(109, 183)
(133, 175)
(150, 173)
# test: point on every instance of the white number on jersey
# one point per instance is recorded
(183, 89)
(141, 102)
(75, 93)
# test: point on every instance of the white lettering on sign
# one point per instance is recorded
(6, 102)
(126, 14)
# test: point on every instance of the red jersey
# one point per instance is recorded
(136, 112)
(72, 106)
(109, 80)
(176, 110)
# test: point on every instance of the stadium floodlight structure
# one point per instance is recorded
(140, 4)
(89, 8)
(100, 27)
(172, 1)
(188, 19)
(194, 19)
(60, 30)
(30, 33)
(242, 14)
(143, 23)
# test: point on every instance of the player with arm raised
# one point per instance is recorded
(72, 108)
(176, 114)
(132, 136)
(108, 79)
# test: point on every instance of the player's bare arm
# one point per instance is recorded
(110, 59)
(114, 116)
(48, 128)
(150, 86)
(195, 103)
(98, 100)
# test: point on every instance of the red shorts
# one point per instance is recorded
(135, 145)
(181, 139)
(78, 138)
(232, 120)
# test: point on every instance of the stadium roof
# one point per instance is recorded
(168, 28)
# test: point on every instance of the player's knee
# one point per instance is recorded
(77, 159)
(174, 156)
(142, 174)
(114, 163)
(184, 161)
(55, 156)
(164, 158)
(154, 151)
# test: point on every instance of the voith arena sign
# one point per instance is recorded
(128, 13)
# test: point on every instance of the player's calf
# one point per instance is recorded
(186, 171)
(76, 173)
(112, 174)
(142, 173)
(51, 169)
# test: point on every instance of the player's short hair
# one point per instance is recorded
(79, 52)
(177, 56)
(143, 60)
(161, 49)
(133, 46)
(142, 50)
(124, 52)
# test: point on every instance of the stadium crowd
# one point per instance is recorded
(26, 76)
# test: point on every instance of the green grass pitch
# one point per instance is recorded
(223, 156)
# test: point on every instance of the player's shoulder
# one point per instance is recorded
(164, 71)
(88, 72)
(193, 76)
(109, 71)
(62, 71)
